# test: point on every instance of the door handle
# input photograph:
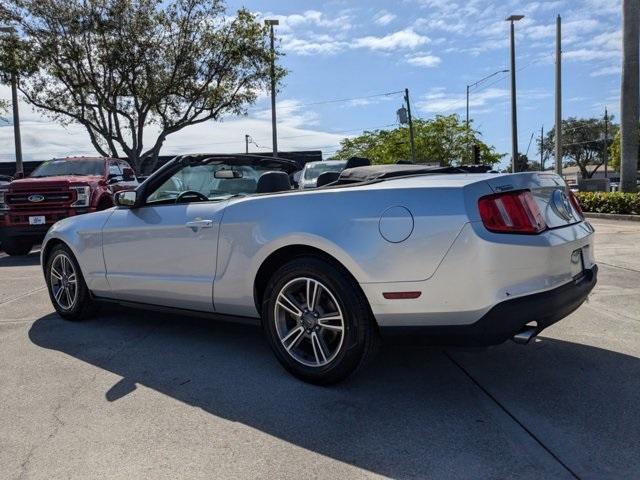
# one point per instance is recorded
(197, 224)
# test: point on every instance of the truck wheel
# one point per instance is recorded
(17, 246)
(67, 288)
(317, 321)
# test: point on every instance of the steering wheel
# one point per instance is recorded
(192, 194)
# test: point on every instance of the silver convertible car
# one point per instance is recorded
(435, 253)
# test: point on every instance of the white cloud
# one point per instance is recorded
(610, 70)
(571, 30)
(440, 101)
(384, 17)
(587, 55)
(313, 32)
(312, 18)
(310, 47)
(297, 130)
(406, 38)
(428, 61)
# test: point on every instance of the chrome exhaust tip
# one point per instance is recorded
(525, 335)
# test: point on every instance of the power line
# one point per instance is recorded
(326, 102)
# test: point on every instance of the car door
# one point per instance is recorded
(164, 254)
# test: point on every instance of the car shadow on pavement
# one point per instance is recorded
(21, 261)
(414, 412)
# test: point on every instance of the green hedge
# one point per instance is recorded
(614, 202)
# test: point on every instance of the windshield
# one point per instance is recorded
(311, 172)
(55, 168)
(201, 179)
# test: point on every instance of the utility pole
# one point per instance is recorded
(606, 143)
(514, 111)
(467, 120)
(542, 148)
(413, 143)
(274, 132)
(16, 114)
(558, 149)
(629, 93)
(16, 123)
(246, 143)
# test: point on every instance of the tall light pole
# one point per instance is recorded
(473, 85)
(558, 113)
(274, 131)
(514, 112)
(16, 113)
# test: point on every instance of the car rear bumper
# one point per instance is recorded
(482, 270)
(505, 319)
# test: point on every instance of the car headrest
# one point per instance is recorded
(238, 185)
(327, 177)
(357, 162)
(273, 182)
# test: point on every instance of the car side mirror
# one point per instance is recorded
(125, 198)
(128, 175)
(18, 175)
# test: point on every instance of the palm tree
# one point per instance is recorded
(629, 94)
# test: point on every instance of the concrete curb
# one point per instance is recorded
(612, 216)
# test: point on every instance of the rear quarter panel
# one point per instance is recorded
(344, 223)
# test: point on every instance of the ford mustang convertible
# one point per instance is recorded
(439, 253)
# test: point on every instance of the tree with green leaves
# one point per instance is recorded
(444, 139)
(125, 68)
(583, 143)
(614, 152)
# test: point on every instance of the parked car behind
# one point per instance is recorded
(312, 170)
(57, 189)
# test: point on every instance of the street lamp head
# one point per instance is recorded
(272, 22)
(514, 18)
(7, 29)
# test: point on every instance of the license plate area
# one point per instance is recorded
(577, 263)
(37, 220)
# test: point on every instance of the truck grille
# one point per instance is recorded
(41, 198)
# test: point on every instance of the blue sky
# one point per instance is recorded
(353, 49)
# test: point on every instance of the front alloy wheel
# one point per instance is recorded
(64, 281)
(67, 289)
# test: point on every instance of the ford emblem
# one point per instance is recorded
(35, 198)
(562, 205)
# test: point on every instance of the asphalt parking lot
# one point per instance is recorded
(137, 395)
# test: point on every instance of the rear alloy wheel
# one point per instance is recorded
(317, 321)
(67, 288)
(309, 322)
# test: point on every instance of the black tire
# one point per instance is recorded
(17, 246)
(360, 338)
(82, 305)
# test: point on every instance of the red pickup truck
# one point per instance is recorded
(55, 190)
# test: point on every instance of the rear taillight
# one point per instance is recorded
(574, 201)
(511, 212)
